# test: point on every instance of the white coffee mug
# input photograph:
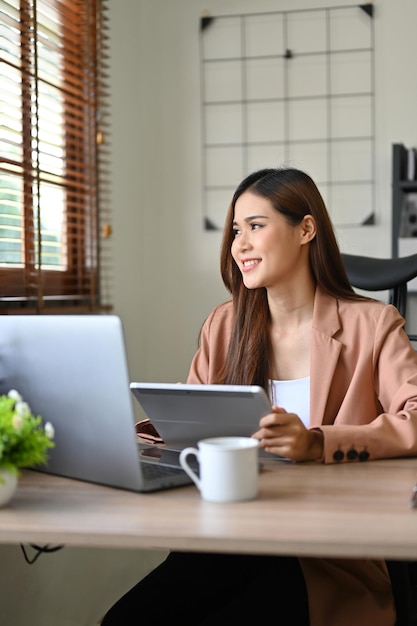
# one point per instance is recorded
(228, 468)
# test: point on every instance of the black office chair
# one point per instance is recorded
(403, 575)
(374, 274)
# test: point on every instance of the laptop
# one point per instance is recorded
(179, 415)
(72, 370)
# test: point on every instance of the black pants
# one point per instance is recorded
(215, 589)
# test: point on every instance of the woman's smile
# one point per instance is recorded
(249, 264)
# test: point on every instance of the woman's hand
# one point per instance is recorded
(284, 434)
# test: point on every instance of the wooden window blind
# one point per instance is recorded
(55, 232)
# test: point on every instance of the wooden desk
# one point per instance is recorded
(358, 510)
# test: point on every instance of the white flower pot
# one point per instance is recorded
(8, 486)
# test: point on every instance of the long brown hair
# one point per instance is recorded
(294, 194)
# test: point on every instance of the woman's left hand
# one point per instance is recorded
(284, 434)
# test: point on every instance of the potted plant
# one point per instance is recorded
(24, 441)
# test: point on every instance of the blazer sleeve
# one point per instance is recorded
(378, 414)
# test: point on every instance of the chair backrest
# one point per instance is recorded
(381, 274)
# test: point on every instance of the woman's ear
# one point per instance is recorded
(308, 228)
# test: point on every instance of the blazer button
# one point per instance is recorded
(338, 456)
(352, 454)
(364, 455)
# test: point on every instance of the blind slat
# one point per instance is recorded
(51, 166)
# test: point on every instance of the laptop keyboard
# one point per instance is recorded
(154, 470)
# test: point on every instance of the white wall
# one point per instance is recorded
(174, 278)
(156, 178)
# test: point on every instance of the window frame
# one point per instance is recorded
(76, 287)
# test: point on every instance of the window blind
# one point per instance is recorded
(55, 229)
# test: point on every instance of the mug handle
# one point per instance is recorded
(184, 464)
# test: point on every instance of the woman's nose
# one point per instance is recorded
(243, 241)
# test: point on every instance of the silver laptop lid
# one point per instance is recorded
(72, 370)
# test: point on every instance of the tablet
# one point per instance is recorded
(182, 414)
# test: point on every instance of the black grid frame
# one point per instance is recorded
(290, 88)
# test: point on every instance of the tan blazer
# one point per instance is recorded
(363, 396)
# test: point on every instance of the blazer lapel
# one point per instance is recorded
(325, 352)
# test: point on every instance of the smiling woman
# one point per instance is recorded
(52, 154)
(294, 326)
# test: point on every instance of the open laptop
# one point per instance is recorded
(182, 414)
(72, 370)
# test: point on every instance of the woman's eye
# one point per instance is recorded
(236, 232)
(255, 226)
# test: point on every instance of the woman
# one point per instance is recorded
(343, 378)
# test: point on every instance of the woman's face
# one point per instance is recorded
(267, 249)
